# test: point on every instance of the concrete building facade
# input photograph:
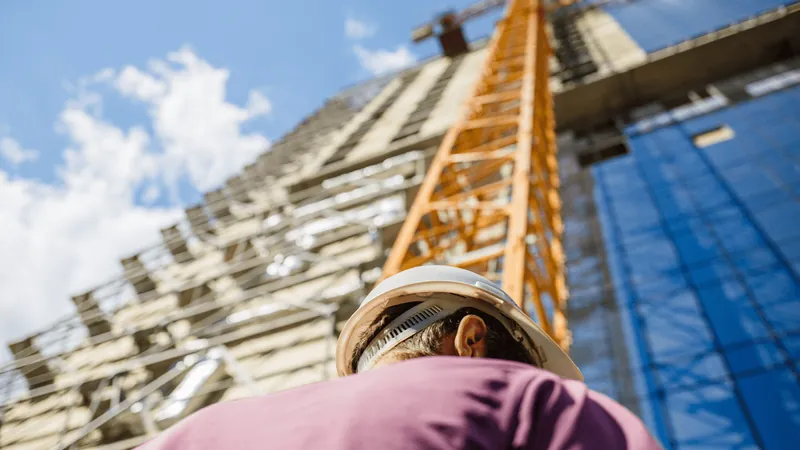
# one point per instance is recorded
(680, 179)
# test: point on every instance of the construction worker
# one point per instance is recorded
(435, 358)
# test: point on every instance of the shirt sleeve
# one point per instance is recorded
(564, 414)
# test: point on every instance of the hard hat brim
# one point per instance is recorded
(555, 360)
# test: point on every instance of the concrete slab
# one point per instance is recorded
(678, 69)
(460, 86)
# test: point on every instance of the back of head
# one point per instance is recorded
(438, 338)
(441, 310)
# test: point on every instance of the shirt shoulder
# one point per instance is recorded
(431, 403)
(555, 413)
(542, 410)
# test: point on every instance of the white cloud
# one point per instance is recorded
(258, 104)
(137, 84)
(12, 152)
(151, 194)
(199, 130)
(65, 238)
(356, 29)
(379, 62)
(103, 76)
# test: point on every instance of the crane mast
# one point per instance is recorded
(490, 201)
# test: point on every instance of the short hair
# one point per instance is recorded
(500, 344)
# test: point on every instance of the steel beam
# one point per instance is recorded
(489, 201)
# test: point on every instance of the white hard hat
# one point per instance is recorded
(421, 284)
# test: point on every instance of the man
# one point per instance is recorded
(437, 358)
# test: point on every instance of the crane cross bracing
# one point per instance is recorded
(489, 202)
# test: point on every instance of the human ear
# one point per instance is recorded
(470, 339)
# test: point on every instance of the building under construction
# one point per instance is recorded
(678, 132)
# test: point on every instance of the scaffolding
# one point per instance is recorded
(246, 295)
(238, 276)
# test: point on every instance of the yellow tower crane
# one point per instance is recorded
(490, 199)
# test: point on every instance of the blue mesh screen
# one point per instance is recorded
(703, 246)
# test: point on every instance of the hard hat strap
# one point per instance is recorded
(403, 327)
(420, 317)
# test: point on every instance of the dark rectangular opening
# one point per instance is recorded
(600, 154)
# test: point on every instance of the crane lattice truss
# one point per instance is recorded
(489, 202)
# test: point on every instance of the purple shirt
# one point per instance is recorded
(425, 403)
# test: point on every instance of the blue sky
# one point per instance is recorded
(115, 115)
(296, 52)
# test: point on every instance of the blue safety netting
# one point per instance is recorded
(703, 246)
